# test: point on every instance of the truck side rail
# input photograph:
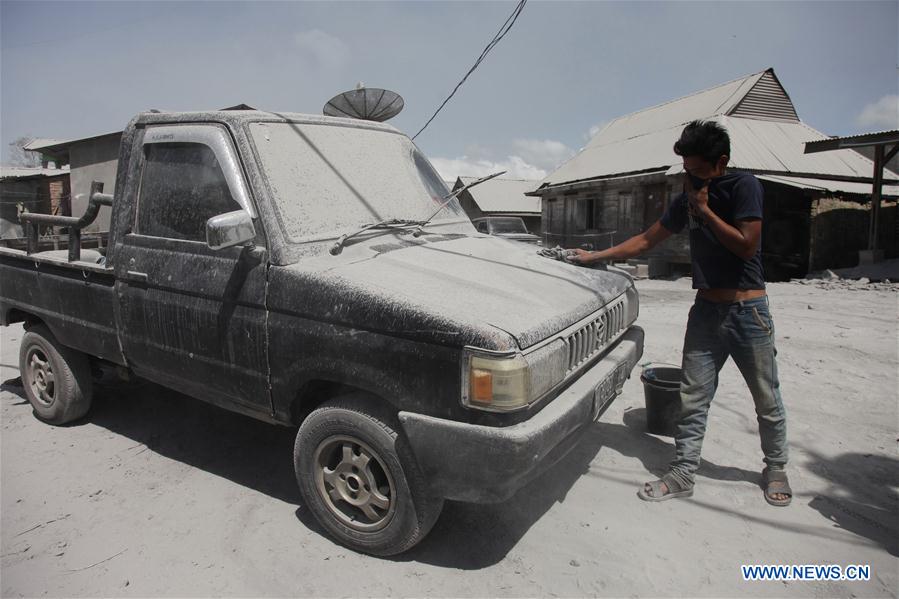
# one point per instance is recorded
(75, 224)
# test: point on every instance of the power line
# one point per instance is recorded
(503, 30)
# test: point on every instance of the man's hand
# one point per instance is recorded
(698, 198)
(579, 256)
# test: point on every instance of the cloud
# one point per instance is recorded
(883, 113)
(544, 154)
(594, 130)
(528, 159)
(517, 167)
(322, 49)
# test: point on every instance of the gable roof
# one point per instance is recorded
(502, 195)
(766, 136)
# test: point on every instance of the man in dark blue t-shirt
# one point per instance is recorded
(730, 317)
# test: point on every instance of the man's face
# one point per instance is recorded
(701, 170)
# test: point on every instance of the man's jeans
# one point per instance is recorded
(743, 330)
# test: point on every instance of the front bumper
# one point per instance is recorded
(483, 464)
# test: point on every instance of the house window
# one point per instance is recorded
(608, 219)
(627, 220)
(590, 223)
(555, 215)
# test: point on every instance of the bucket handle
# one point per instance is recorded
(651, 383)
(643, 365)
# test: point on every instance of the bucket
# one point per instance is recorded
(661, 388)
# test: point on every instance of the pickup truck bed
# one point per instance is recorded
(75, 299)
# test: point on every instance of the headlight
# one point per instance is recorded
(505, 383)
(633, 304)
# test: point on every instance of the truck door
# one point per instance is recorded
(193, 318)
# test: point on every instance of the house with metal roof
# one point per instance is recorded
(622, 181)
(501, 197)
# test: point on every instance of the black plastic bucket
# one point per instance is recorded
(661, 388)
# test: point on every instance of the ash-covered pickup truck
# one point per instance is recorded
(315, 272)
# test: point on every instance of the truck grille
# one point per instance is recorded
(596, 334)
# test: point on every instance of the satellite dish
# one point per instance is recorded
(365, 103)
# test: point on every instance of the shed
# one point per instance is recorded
(501, 197)
(623, 180)
(42, 190)
(90, 159)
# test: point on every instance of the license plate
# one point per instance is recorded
(609, 388)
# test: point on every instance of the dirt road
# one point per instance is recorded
(155, 494)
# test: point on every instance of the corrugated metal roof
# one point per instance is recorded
(504, 195)
(22, 172)
(720, 99)
(854, 141)
(36, 144)
(766, 100)
(830, 186)
(773, 146)
(645, 140)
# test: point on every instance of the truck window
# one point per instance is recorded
(182, 186)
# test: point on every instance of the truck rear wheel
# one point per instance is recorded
(57, 379)
(360, 480)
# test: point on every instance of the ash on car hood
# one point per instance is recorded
(489, 280)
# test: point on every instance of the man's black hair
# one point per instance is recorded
(706, 139)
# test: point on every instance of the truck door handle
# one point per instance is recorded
(137, 277)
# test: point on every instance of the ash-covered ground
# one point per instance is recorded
(156, 494)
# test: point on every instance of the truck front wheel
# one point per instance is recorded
(359, 478)
(57, 379)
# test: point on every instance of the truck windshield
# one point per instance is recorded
(328, 179)
(507, 225)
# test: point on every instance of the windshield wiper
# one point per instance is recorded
(390, 223)
(395, 223)
(449, 198)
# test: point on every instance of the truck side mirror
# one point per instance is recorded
(229, 229)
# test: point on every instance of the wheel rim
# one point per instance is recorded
(41, 378)
(354, 484)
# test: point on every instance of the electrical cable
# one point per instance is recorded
(503, 30)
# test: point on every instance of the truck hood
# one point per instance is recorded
(471, 281)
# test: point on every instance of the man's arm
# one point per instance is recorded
(634, 246)
(742, 240)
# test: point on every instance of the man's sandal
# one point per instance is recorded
(775, 482)
(675, 489)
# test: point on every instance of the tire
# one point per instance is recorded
(56, 378)
(359, 478)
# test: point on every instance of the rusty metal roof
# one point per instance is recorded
(831, 186)
(853, 141)
(26, 172)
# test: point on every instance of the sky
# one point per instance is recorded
(78, 69)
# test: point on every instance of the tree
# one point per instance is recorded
(19, 156)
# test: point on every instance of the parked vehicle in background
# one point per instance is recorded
(314, 272)
(506, 227)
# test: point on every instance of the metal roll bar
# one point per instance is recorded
(32, 221)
